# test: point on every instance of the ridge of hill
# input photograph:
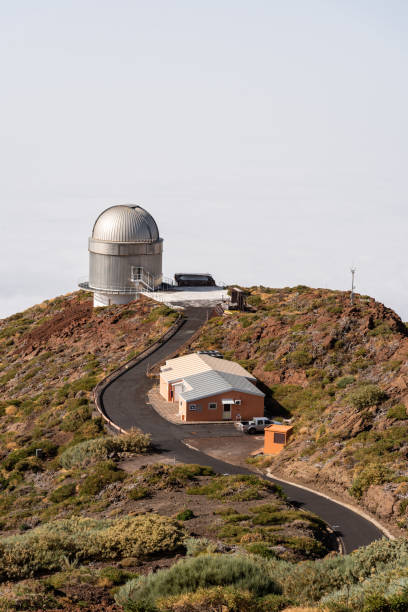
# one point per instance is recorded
(341, 371)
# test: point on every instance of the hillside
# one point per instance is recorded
(75, 521)
(341, 371)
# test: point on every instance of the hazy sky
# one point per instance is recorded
(268, 138)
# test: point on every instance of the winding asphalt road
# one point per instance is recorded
(124, 402)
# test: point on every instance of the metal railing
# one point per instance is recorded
(141, 281)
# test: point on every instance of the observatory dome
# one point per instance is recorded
(125, 223)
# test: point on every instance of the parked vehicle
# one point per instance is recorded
(256, 425)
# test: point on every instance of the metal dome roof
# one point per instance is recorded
(125, 223)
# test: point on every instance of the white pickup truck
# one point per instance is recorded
(256, 425)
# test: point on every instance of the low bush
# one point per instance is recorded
(75, 418)
(381, 328)
(46, 547)
(185, 515)
(48, 449)
(344, 382)
(139, 493)
(398, 412)
(161, 311)
(366, 395)
(221, 598)
(164, 476)
(372, 474)
(310, 581)
(98, 449)
(274, 517)
(199, 546)
(102, 474)
(301, 358)
(115, 576)
(202, 572)
(27, 595)
(84, 453)
(63, 492)
(240, 487)
(270, 366)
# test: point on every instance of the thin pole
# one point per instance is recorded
(353, 271)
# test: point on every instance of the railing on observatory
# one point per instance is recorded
(141, 281)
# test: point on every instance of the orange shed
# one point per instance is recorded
(276, 438)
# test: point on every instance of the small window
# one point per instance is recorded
(237, 402)
(279, 438)
(212, 406)
(195, 407)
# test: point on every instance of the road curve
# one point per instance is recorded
(124, 403)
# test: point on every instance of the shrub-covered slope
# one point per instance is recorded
(52, 355)
(73, 523)
(341, 370)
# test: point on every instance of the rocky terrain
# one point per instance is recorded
(341, 371)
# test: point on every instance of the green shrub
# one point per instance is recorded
(199, 546)
(310, 401)
(139, 493)
(185, 515)
(115, 575)
(29, 594)
(161, 311)
(393, 365)
(32, 464)
(63, 492)
(164, 476)
(398, 412)
(200, 572)
(98, 449)
(261, 549)
(102, 474)
(344, 382)
(276, 517)
(270, 366)
(248, 364)
(254, 300)
(76, 418)
(132, 442)
(311, 581)
(84, 453)
(45, 548)
(381, 328)
(301, 357)
(48, 449)
(366, 395)
(245, 321)
(220, 598)
(239, 487)
(372, 474)
(335, 309)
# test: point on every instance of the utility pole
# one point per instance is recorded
(353, 271)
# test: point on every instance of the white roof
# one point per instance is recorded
(188, 365)
(206, 384)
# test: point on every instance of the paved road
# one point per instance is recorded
(124, 402)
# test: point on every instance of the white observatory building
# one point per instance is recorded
(125, 255)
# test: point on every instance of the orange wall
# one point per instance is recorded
(251, 406)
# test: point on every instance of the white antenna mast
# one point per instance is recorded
(353, 271)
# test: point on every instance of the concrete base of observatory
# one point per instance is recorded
(108, 299)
